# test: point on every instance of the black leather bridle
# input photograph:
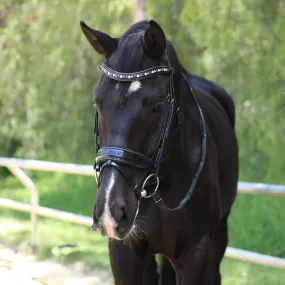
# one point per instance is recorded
(115, 156)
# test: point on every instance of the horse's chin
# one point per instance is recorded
(119, 236)
(127, 235)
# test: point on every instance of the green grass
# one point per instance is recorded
(63, 192)
(242, 273)
(256, 224)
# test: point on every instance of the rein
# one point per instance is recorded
(114, 156)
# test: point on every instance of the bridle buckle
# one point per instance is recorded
(97, 173)
(99, 168)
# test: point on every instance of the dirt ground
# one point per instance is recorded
(22, 269)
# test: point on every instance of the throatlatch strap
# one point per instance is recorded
(155, 196)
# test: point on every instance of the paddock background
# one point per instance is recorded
(48, 72)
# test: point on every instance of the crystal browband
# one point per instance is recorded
(120, 76)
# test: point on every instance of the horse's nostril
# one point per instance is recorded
(120, 214)
(123, 212)
(119, 211)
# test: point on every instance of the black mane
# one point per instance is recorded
(137, 27)
(130, 53)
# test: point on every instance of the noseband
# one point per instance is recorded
(115, 156)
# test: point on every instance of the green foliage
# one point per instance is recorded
(240, 45)
(48, 72)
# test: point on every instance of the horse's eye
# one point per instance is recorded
(157, 108)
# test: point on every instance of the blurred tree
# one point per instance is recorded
(139, 13)
(240, 45)
(48, 71)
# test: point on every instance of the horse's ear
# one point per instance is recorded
(154, 39)
(102, 43)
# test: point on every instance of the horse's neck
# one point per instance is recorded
(190, 132)
(185, 144)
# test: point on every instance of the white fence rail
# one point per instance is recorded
(16, 165)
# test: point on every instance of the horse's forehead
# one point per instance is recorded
(133, 86)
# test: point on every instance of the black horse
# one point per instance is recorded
(162, 130)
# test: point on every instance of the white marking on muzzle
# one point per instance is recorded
(107, 218)
(134, 86)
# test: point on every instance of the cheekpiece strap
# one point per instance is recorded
(141, 75)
